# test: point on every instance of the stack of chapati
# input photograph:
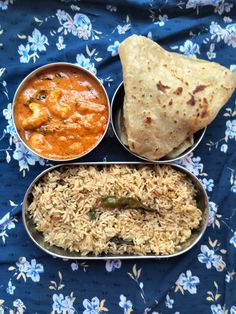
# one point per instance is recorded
(168, 97)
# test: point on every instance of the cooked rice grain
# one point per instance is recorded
(66, 209)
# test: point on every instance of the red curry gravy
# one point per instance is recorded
(61, 112)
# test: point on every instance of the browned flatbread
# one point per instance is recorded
(168, 96)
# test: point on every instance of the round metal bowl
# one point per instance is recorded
(37, 237)
(117, 122)
(57, 65)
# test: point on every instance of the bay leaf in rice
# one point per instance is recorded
(168, 96)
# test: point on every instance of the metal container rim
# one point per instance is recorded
(194, 179)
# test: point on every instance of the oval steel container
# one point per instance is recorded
(46, 67)
(116, 116)
(37, 237)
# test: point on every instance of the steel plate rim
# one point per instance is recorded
(44, 67)
(108, 257)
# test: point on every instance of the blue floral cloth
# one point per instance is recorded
(88, 33)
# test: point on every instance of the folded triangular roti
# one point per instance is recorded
(168, 96)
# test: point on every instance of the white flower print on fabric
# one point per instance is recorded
(227, 19)
(232, 180)
(10, 288)
(227, 34)
(86, 63)
(111, 8)
(230, 277)
(209, 258)
(157, 18)
(26, 269)
(230, 131)
(233, 309)
(213, 214)
(189, 48)
(6, 223)
(233, 239)
(4, 4)
(188, 282)
(224, 148)
(1, 44)
(63, 304)
(24, 52)
(74, 7)
(193, 164)
(60, 43)
(25, 157)
(223, 7)
(34, 270)
(217, 309)
(192, 4)
(233, 68)
(20, 306)
(162, 19)
(125, 304)
(75, 266)
(208, 184)
(79, 25)
(114, 48)
(169, 302)
(112, 265)
(7, 113)
(211, 54)
(95, 306)
(36, 42)
(122, 29)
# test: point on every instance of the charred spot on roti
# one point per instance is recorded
(178, 91)
(162, 87)
(148, 120)
(199, 88)
(204, 114)
(191, 101)
(132, 145)
(204, 107)
(170, 102)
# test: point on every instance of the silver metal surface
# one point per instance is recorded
(116, 116)
(37, 237)
(46, 67)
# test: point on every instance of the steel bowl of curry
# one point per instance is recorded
(61, 111)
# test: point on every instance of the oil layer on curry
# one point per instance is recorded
(61, 112)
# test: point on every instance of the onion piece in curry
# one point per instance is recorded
(61, 112)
